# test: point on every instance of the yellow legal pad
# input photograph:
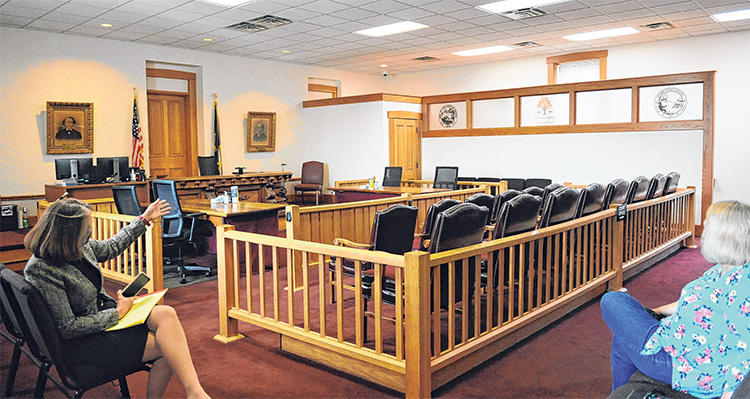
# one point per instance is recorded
(139, 312)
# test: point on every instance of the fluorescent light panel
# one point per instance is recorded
(601, 34)
(510, 5)
(732, 15)
(391, 29)
(228, 3)
(483, 51)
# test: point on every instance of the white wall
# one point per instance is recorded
(532, 155)
(36, 67)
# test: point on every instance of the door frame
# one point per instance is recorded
(192, 114)
(391, 131)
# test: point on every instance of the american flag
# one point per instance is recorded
(217, 142)
(137, 155)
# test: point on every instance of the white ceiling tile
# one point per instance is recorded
(200, 7)
(144, 29)
(618, 7)
(353, 14)
(237, 15)
(264, 7)
(324, 6)
(46, 5)
(88, 30)
(435, 20)
(64, 18)
(14, 21)
(123, 35)
(161, 23)
(11, 9)
(156, 40)
(379, 20)
(326, 20)
(411, 14)
(385, 6)
(165, 4)
(446, 6)
(141, 8)
(50, 25)
(120, 16)
(180, 15)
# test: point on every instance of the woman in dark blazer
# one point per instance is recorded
(64, 268)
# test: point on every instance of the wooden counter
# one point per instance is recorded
(351, 194)
(93, 191)
(251, 185)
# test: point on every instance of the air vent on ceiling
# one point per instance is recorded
(260, 23)
(425, 58)
(659, 25)
(524, 13)
(526, 44)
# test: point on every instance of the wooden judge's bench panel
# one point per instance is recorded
(93, 191)
(251, 186)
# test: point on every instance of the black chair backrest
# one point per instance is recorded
(434, 210)
(446, 177)
(466, 178)
(548, 189)
(393, 229)
(533, 190)
(207, 166)
(493, 189)
(312, 172)
(171, 223)
(457, 227)
(485, 200)
(561, 206)
(670, 186)
(7, 315)
(537, 183)
(594, 200)
(500, 199)
(656, 186)
(617, 192)
(392, 177)
(638, 189)
(515, 183)
(517, 215)
(126, 200)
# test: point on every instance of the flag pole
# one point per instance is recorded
(217, 141)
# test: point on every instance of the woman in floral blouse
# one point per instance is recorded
(700, 347)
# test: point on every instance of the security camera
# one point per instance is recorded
(385, 72)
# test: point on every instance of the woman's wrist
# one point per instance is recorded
(144, 220)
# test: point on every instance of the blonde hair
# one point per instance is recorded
(61, 232)
(726, 233)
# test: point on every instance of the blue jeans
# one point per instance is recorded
(632, 326)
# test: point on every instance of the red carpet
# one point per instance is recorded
(569, 359)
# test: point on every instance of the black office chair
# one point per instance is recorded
(126, 200)
(429, 220)
(595, 199)
(670, 186)
(500, 199)
(485, 200)
(392, 177)
(46, 344)
(534, 190)
(656, 186)
(176, 236)
(515, 183)
(208, 166)
(493, 189)
(446, 177)
(547, 190)
(638, 189)
(14, 334)
(561, 206)
(617, 192)
(537, 183)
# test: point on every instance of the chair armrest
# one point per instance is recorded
(194, 215)
(343, 242)
(489, 227)
(421, 235)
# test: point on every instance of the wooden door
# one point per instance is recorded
(405, 143)
(169, 135)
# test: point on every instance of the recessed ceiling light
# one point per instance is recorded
(207, 39)
(392, 29)
(228, 3)
(601, 34)
(483, 50)
(105, 25)
(510, 5)
(732, 15)
(383, 65)
(286, 51)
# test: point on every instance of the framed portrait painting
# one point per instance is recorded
(261, 131)
(70, 128)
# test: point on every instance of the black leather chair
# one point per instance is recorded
(493, 189)
(126, 200)
(515, 183)
(642, 386)
(485, 200)
(46, 344)
(392, 231)
(429, 220)
(466, 178)
(176, 236)
(548, 189)
(446, 177)
(656, 186)
(312, 180)
(617, 192)
(561, 206)
(594, 200)
(533, 190)
(670, 186)
(500, 199)
(392, 177)
(14, 334)
(537, 183)
(638, 190)
(208, 166)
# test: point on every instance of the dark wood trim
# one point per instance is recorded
(169, 74)
(561, 129)
(22, 197)
(167, 93)
(362, 99)
(404, 115)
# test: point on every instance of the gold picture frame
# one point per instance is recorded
(70, 128)
(261, 131)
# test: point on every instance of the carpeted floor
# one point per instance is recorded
(569, 359)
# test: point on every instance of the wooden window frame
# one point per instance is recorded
(555, 61)
(319, 88)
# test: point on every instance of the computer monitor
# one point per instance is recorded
(73, 168)
(115, 167)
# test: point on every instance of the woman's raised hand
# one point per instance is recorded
(156, 210)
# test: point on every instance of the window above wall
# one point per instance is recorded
(577, 67)
(322, 88)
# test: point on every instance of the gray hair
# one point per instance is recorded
(726, 233)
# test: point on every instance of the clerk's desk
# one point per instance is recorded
(93, 191)
(251, 185)
(351, 194)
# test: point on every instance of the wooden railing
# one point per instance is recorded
(541, 276)
(492, 187)
(144, 255)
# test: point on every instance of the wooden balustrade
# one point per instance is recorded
(144, 255)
